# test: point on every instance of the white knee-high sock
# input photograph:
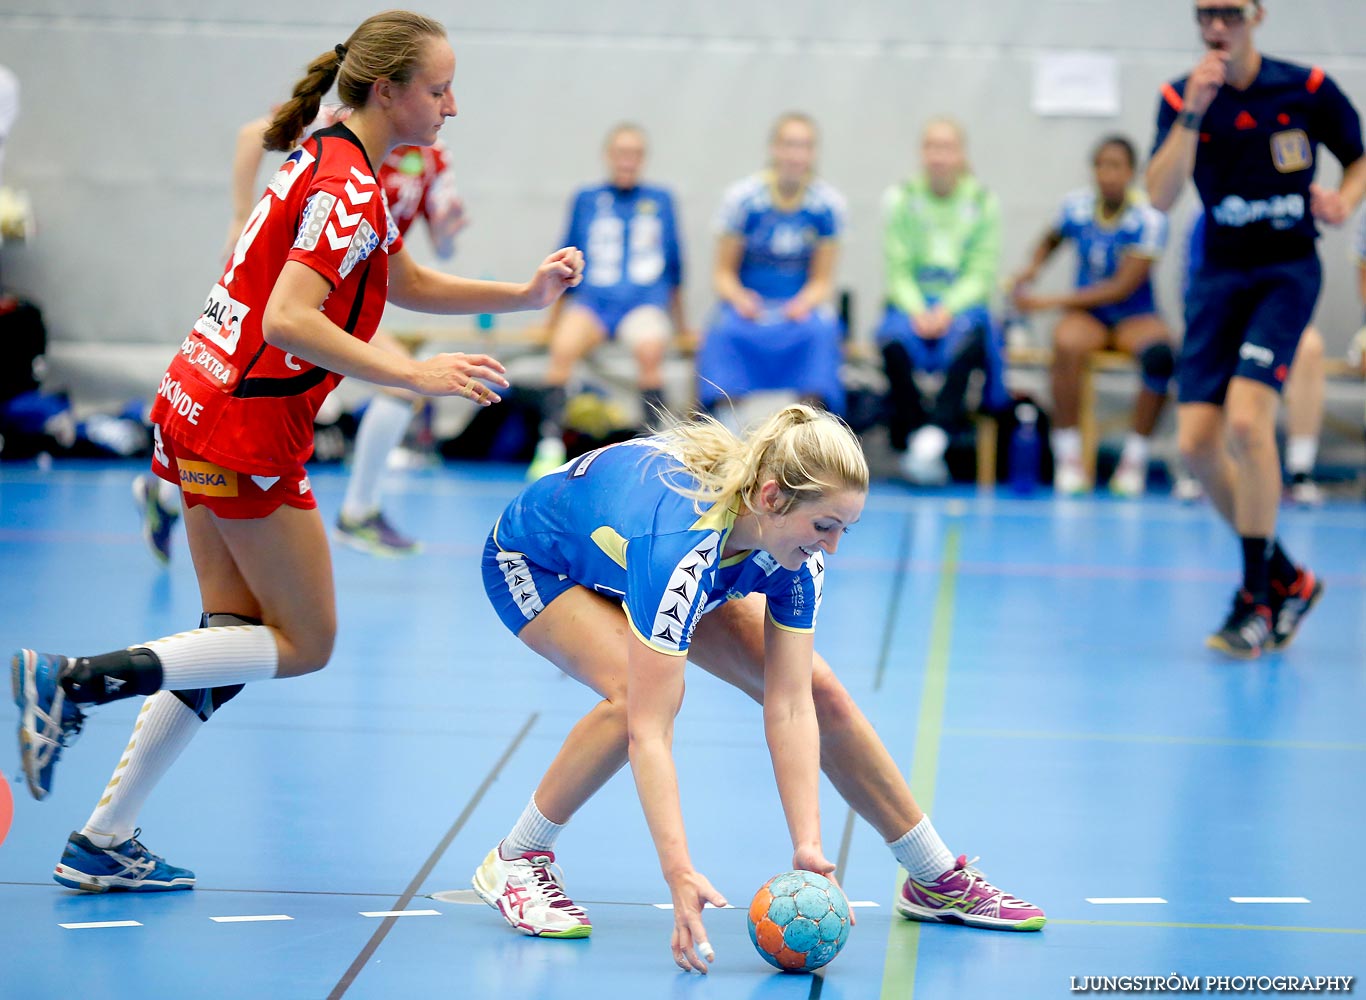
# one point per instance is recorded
(380, 432)
(163, 729)
(922, 853)
(213, 657)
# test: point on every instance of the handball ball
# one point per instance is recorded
(799, 921)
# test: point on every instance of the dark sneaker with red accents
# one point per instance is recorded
(1246, 631)
(1290, 604)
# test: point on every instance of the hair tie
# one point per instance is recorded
(340, 50)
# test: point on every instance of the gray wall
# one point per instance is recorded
(130, 110)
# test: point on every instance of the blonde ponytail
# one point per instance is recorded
(808, 452)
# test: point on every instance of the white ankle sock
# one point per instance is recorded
(1066, 443)
(212, 657)
(163, 729)
(533, 832)
(1301, 452)
(922, 853)
(380, 432)
(1135, 451)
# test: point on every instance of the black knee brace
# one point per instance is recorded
(203, 702)
(1158, 365)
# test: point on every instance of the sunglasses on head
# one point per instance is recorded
(1230, 15)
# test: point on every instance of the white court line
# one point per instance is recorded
(401, 913)
(728, 906)
(705, 906)
(1267, 899)
(1113, 900)
(248, 920)
(99, 924)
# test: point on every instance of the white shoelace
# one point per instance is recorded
(550, 880)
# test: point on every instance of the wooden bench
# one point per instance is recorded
(525, 338)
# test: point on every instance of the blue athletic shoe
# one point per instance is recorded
(126, 867)
(157, 519)
(47, 721)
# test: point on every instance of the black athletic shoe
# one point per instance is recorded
(1246, 630)
(1290, 604)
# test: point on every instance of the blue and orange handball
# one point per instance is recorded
(799, 921)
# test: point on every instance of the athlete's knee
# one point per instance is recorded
(204, 702)
(645, 329)
(1157, 362)
(1069, 352)
(306, 650)
(1249, 431)
(835, 708)
(1198, 444)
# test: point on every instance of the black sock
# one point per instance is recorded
(1256, 579)
(552, 411)
(98, 680)
(1282, 570)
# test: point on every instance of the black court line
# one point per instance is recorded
(387, 924)
(903, 564)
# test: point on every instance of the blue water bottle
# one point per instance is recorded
(1024, 449)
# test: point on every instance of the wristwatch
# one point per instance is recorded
(1190, 120)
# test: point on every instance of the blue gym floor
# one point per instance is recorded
(1037, 667)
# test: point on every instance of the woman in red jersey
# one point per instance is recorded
(292, 314)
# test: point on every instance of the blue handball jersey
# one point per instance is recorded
(630, 243)
(1256, 159)
(779, 243)
(609, 521)
(1102, 243)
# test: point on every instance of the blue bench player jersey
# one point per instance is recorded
(1256, 160)
(630, 244)
(779, 243)
(609, 522)
(1102, 244)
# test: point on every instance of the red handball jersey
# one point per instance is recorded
(230, 396)
(418, 180)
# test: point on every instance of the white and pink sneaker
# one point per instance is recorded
(529, 893)
(962, 895)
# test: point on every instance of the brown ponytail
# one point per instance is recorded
(293, 116)
(386, 46)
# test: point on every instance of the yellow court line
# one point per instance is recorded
(1207, 927)
(903, 937)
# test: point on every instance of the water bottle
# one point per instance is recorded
(1024, 449)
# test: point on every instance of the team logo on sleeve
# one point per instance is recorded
(363, 243)
(1291, 152)
(316, 211)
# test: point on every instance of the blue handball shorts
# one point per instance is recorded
(610, 310)
(518, 590)
(1245, 322)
